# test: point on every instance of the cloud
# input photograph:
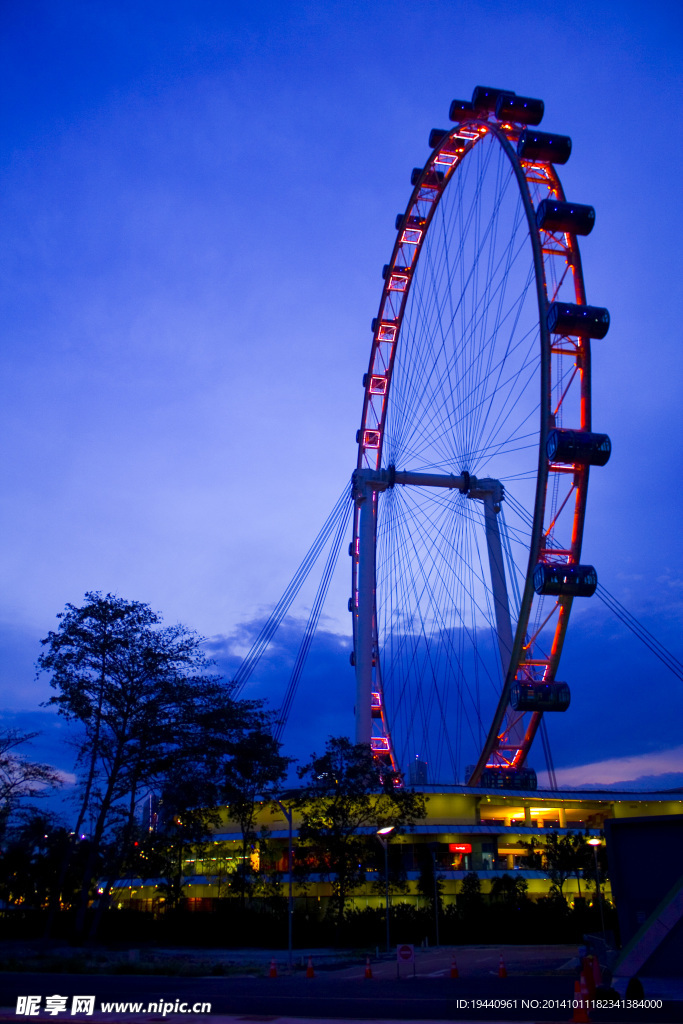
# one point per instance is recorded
(640, 769)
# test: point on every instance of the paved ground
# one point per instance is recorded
(539, 988)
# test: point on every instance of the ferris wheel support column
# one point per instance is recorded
(492, 501)
(365, 499)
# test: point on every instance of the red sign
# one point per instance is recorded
(405, 954)
(460, 847)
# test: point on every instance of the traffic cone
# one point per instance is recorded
(454, 969)
(588, 972)
(368, 968)
(502, 970)
(272, 973)
(597, 973)
(580, 1015)
(310, 973)
(584, 993)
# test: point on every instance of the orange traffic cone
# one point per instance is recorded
(272, 973)
(502, 970)
(310, 973)
(454, 969)
(597, 973)
(580, 1015)
(368, 968)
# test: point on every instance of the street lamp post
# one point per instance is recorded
(288, 813)
(383, 836)
(595, 843)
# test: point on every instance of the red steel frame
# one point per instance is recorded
(558, 524)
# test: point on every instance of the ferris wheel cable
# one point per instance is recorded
(420, 697)
(425, 398)
(643, 634)
(508, 407)
(468, 327)
(545, 742)
(406, 674)
(313, 619)
(514, 312)
(439, 532)
(331, 562)
(437, 604)
(271, 625)
(289, 594)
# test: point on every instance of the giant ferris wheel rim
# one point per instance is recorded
(454, 147)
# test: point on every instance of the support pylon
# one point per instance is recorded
(580, 1015)
(310, 973)
(454, 969)
(502, 969)
(272, 973)
(368, 968)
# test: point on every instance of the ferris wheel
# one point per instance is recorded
(474, 453)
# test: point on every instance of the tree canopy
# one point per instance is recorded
(347, 797)
(20, 778)
(153, 717)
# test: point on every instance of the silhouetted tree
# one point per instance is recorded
(560, 856)
(252, 774)
(31, 859)
(347, 797)
(149, 711)
(470, 899)
(510, 891)
(20, 778)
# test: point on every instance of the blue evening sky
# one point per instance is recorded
(197, 200)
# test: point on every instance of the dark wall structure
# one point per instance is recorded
(646, 870)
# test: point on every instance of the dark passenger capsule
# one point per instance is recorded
(580, 321)
(578, 447)
(520, 109)
(485, 98)
(388, 269)
(565, 580)
(508, 778)
(436, 137)
(461, 110)
(553, 215)
(529, 696)
(432, 179)
(543, 147)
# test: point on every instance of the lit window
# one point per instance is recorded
(378, 385)
(387, 332)
(411, 236)
(379, 744)
(398, 282)
(371, 438)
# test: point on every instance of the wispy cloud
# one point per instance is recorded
(623, 769)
